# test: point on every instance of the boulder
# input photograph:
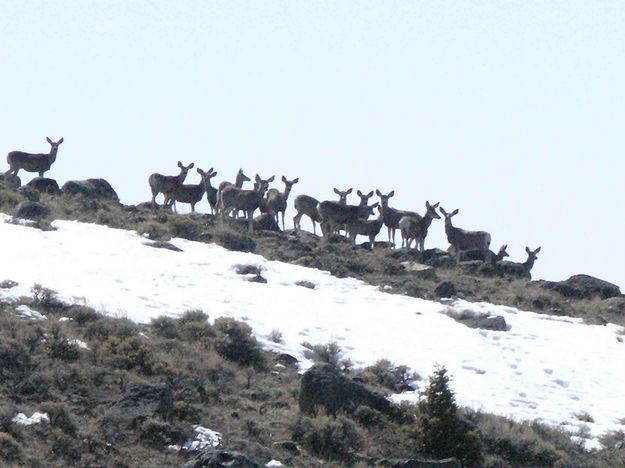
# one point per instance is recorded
(91, 188)
(266, 222)
(212, 458)
(584, 287)
(31, 210)
(323, 385)
(445, 289)
(496, 323)
(10, 181)
(45, 185)
(145, 400)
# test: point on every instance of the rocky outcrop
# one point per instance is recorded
(45, 185)
(91, 188)
(583, 287)
(324, 386)
(10, 181)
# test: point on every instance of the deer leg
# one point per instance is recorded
(250, 221)
(283, 228)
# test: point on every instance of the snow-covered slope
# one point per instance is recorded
(544, 367)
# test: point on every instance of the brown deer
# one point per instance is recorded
(522, 270)
(238, 183)
(366, 227)
(461, 239)
(276, 201)
(166, 184)
(192, 193)
(392, 215)
(234, 198)
(334, 215)
(211, 192)
(39, 163)
(413, 228)
(307, 205)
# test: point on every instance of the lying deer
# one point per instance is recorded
(233, 198)
(413, 228)
(166, 184)
(522, 270)
(461, 239)
(39, 163)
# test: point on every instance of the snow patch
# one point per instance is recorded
(36, 418)
(27, 312)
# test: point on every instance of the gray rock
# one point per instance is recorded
(584, 287)
(324, 386)
(426, 463)
(45, 185)
(91, 188)
(31, 210)
(445, 289)
(212, 458)
(146, 401)
(496, 323)
(266, 222)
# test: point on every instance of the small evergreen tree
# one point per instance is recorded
(439, 430)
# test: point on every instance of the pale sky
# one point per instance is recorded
(511, 111)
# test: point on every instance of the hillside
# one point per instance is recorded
(118, 274)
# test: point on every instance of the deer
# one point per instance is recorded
(30, 162)
(522, 270)
(392, 215)
(335, 214)
(191, 193)
(461, 239)
(234, 198)
(238, 183)
(307, 205)
(166, 184)
(413, 228)
(211, 192)
(365, 227)
(276, 201)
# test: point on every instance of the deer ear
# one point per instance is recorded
(455, 212)
(283, 179)
(537, 250)
(180, 165)
(527, 249)
(370, 194)
(337, 191)
(350, 190)
(271, 179)
(60, 141)
(214, 174)
(48, 140)
(436, 206)
(359, 193)
(427, 204)
(377, 192)
(391, 194)
(296, 180)
(257, 178)
(375, 205)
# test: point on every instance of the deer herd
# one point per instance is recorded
(230, 198)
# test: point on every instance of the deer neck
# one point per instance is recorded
(180, 178)
(239, 181)
(427, 220)
(529, 263)
(287, 191)
(52, 154)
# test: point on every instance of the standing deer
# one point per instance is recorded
(465, 240)
(211, 192)
(39, 163)
(166, 184)
(276, 201)
(238, 183)
(416, 229)
(522, 270)
(392, 215)
(366, 227)
(191, 193)
(334, 215)
(233, 198)
(307, 205)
